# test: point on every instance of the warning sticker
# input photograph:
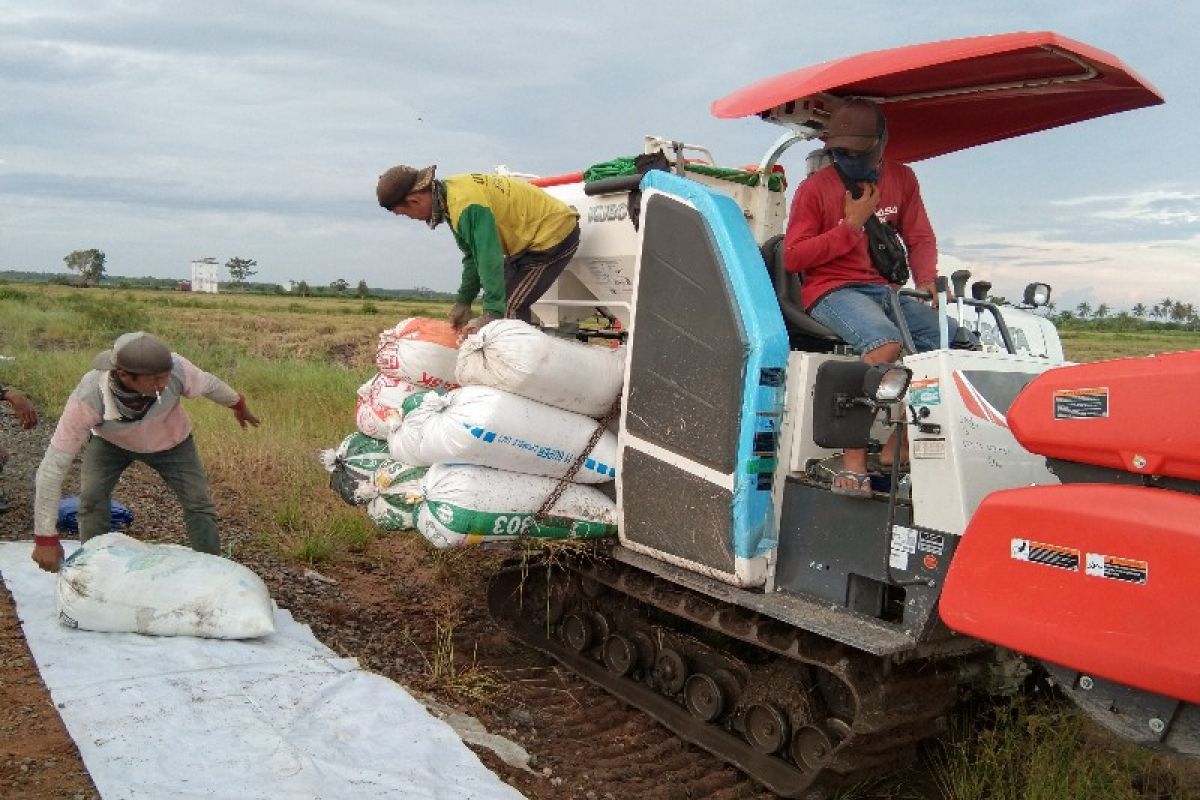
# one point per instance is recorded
(929, 448)
(904, 543)
(925, 392)
(1051, 555)
(931, 543)
(1129, 570)
(1081, 403)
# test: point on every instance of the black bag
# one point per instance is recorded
(889, 256)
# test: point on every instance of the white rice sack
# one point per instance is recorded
(382, 402)
(360, 454)
(392, 495)
(467, 505)
(116, 583)
(492, 428)
(509, 354)
(421, 351)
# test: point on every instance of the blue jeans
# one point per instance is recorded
(862, 316)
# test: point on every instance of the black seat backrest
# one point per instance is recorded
(787, 290)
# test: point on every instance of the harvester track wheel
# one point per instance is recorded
(556, 602)
(591, 587)
(704, 697)
(647, 651)
(811, 747)
(600, 626)
(620, 655)
(766, 728)
(670, 670)
(576, 632)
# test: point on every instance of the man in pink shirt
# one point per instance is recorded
(827, 243)
(126, 409)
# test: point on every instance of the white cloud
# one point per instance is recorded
(1152, 206)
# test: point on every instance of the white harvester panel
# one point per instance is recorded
(972, 452)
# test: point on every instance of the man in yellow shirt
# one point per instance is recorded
(515, 238)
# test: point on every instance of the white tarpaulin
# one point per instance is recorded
(282, 717)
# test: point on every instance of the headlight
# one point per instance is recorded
(886, 383)
(1037, 294)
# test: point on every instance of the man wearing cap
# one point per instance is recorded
(515, 238)
(126, 409)
(827, 243)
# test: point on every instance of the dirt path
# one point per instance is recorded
(396, 611)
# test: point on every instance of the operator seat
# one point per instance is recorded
(800, 326)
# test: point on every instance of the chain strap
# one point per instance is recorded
(566, 479)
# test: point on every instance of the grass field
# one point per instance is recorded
(299, 361)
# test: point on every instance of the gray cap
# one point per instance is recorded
(139, 352)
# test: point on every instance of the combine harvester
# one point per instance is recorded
(1049, 513)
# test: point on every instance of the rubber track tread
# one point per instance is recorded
(895, 707)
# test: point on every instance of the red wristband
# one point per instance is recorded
(240, 405)
(45, 541)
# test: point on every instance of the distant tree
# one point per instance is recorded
(1139, 310)
(339, 286)
(88, 263)
(240, 269)
(1083, 310)
(1101, 311)
(362, 291)
(302, 289)
(1180, 311)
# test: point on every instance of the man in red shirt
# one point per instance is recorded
(826, 242)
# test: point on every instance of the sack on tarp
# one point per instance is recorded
(68, 515)
(392, 495)
(466, 505)
(492, 428)
(511, 355)
(115, 583)
(381, 403)
(420, 351)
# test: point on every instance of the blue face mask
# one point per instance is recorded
(856, 167)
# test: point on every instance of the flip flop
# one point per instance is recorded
(861, 487)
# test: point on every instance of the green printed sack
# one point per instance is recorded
(360, 454)
(467, 505)
(392, 495)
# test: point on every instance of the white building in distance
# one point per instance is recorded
(204, 275)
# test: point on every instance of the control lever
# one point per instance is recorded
(979, 292)
(942, 284)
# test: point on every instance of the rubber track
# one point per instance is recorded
(895, 707)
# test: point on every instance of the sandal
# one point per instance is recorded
(861, 486)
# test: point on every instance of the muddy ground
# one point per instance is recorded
(385, 607)
(395, 607)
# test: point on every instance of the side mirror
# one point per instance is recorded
(886, 383)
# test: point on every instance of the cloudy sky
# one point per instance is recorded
(160, 132)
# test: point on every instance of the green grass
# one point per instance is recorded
(298, 362)
(1041, 749)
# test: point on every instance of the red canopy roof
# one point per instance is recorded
(946, 96)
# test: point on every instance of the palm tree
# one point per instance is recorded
(1083, 310)
(1101, 311)
(1139, 310)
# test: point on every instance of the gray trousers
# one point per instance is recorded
(180, 468)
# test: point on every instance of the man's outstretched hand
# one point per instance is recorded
(459, 314)
(48, 556)
(242, 413)
(26, 413)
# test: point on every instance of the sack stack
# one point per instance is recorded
(478, 449)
